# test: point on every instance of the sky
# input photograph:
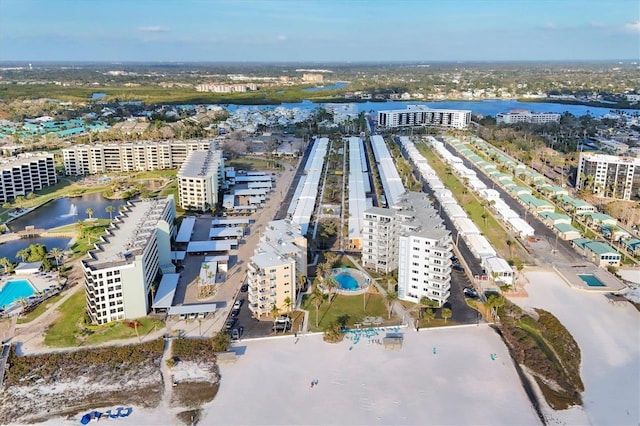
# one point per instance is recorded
(318, 31)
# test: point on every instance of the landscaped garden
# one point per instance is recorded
(72, 329)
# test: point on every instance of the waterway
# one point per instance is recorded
(9, 249)
(485, 107)
(65, 211)
(338, 85)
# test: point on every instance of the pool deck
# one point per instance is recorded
(570, 276)
(40, 283)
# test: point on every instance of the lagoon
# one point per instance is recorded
(485, 107)
(338, 85)
(64, 211)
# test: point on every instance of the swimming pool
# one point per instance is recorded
(346, 281)
(15, 290)
(591, 280)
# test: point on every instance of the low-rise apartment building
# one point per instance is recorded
(26, 173)
(526, 116)
(200, 179)
(278, 268)
(129, 157)
(127, 261)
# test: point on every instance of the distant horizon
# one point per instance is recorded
(314, 31)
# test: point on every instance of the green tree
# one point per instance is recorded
(323, 269)
(89, 212)
(110, 209)
(429, 314)
(6, 264)
(425, 302)
(390, 298)
(221, 342)
(288, 303)
(23, 254)
(510, 245)
(56, 253)
(330, 284)
(446, 314)
(275, 312)
(318, 298)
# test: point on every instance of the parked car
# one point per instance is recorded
(458, 267)
(235, 313)
(244, 288)
(228, 325)
(235, 334)
(471, 293)
(237, 304)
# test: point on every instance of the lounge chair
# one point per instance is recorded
(126, 411)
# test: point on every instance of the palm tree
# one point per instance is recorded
(288, 303)
(330, 258)
(425, 302)
(275, 312)
(23, 254)
(390, 298)
(429, 314)
(318, 298)
(510, 245)
(57, 255)
(331, 285)
(446, 314)
(110, 209)
(5, 264)
(89, 211)
(323, 269)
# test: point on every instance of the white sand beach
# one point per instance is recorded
(270, 383)
(609, 339)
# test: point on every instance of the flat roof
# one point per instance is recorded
(227, 232)
(228, 222)
(166, 291)
(186, 228)
(193, 309)
(178, 255)
(209, 246)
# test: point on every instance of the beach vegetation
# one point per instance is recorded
(354, 307)
(545, 347)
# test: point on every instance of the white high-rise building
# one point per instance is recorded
(423, 116)
(200, 179)
(411, 238)
(274, 271)
(526, 116)
(128, 260)
(609, 175)
(26, 173)
(129, 157)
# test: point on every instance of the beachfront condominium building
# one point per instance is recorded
(609, 175)
(127, 261)
(379, 247)
(129, 157)
(25, 174)
(410, 237)
(200, 179)
(424, 116)
(278, 268)
(526, 116)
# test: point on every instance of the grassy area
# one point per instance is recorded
(248, 163)
(157, 174)
(89, 234)
(350, 308)
(69, 331)
(489, 226)
(39, 310)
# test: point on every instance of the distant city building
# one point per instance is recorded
(200, 179)
(226, 88)
(312, 78)
(609, 175)
(274, 271)
(525, 116)
(128, 261)
(423, 116)
(129, 157)
(26, 173)
(411, 238)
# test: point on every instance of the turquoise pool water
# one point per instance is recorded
(591, 281)
(346, 281)
(14, 290)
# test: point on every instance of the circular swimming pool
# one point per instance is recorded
(346, 281)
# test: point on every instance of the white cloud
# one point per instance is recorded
(633, 27)
(153, 29)
(281, 37)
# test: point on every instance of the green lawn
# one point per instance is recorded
(39, 310)
(248, 163)
(68, 330)
(350, 306)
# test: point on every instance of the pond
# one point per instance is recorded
(9, 249)
(338, 85)
(65, 211)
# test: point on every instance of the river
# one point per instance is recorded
(485, 107)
